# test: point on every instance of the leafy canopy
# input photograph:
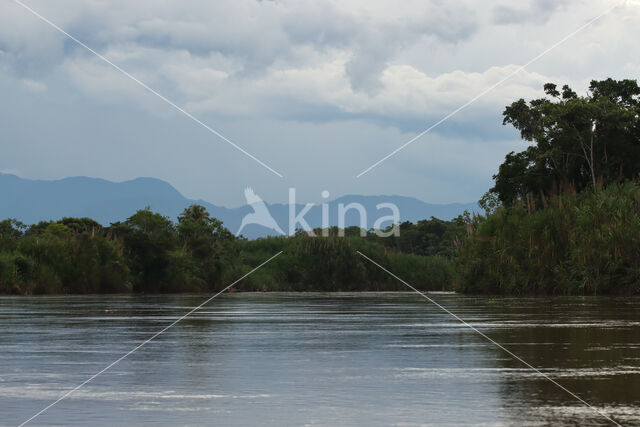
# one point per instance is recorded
(579, 141)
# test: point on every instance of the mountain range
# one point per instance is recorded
(31, 201)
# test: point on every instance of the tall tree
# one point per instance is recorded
(576, 140)
(148, 239)
(10, 231)
(203, 236)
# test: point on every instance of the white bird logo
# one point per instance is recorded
(260, 215)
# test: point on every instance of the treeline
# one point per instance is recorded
(562, 218)
(564, 214)
(149, 253)
(427, 237)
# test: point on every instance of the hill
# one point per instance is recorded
(31, 201)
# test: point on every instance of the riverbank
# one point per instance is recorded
(585, 243)
(570, 243)
(148, 253)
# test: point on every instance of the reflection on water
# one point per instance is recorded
(319, 359)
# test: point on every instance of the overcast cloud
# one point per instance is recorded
(318, 90)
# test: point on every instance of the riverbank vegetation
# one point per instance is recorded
(149, 253)
(564, 214)
(562, 218)
(577, 243)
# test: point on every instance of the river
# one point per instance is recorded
(319, 359)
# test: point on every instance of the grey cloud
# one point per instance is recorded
(450, 22)
(27, 48)
(364, 68)
(278, 78)
(537, 12)
(255, 34)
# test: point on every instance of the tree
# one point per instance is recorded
(10, 231)
(202, 235)
(148, 240)
(576, 140)
(81, 225)
(206, 240)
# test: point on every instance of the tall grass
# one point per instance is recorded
(332, 264)
(52, 258)
(586, 243)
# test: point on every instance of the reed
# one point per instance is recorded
(586, 243)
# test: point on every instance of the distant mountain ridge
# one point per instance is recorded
(31, 201)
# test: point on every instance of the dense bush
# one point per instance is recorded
(333, 264)
(430, 237)
(570, 220)
(580, 243)
(150, 253)
(57, 258)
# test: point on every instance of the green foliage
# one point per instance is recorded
(11, 231)
(150, 253)
(581, 142)
(167, 257)
(333, 264)
(57, 260)
(428, 237)
(563, 216)
(581, 243)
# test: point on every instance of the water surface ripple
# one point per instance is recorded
(319, 359)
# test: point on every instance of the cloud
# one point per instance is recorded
(279, 59)
(322, 92)
(309, 87)
(537, 12)
(382, 35)
(249, 38)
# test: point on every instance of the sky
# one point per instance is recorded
(317, 90)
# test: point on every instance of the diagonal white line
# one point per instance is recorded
(500, 346)
(486, 91)
(68, 393)
(162, 97)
